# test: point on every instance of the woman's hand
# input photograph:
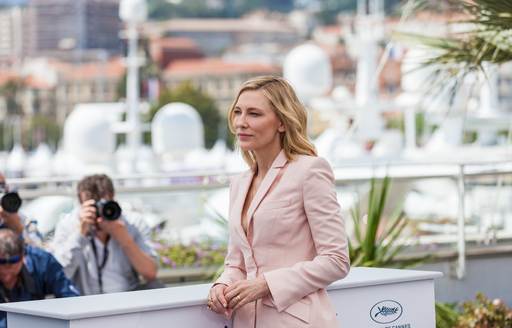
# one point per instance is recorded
(246, 291)
(217, 301)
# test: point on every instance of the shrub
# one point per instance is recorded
(193, 255)
(484, 313)
(446, 315)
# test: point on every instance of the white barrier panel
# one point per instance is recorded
(366, 298)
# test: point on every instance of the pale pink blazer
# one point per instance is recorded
(296, 239)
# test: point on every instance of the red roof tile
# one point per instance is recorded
(175, 43)
(37, 83)
(113, 69)
(216, 66)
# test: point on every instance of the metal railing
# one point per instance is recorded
(346, 175)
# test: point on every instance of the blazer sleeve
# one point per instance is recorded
(288, 285)
(234, 265)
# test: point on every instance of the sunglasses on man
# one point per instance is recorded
(10, 260)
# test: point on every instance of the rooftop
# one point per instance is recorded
(216, 66)
(256, 24)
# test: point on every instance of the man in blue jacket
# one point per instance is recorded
(28, 273)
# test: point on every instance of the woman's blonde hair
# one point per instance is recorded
(288, 109)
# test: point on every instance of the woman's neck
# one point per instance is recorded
(265, 159)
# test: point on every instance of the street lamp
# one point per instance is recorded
(133, 13)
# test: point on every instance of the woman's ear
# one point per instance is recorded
(281, 127)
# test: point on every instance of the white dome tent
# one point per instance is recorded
(176, 130)
(16, 162)
(59, 162)
(89, 141)
(146, 160)
(308, 68)
(39, 163)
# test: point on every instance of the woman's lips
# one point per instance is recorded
(243, 136)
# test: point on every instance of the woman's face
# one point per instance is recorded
(256, 124)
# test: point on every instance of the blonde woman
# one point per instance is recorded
(287, 237)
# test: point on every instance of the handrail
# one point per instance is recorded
(202, 181)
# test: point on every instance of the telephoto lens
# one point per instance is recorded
(11, 202)
(108, 209)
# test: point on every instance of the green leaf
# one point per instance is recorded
(381, 241)
(356, 215)
(488, 40)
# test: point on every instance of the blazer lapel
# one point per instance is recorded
(245, 183)
(267, 182)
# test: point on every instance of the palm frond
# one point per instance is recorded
(392, 238)
(487, 39)
(358, 259)
(396, 218)
(356, 214)
(490, 13)
(374, 218)
(383, 195)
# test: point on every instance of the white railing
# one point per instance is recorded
(346, 175)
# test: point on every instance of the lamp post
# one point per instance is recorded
(369, 29)
(133, 13)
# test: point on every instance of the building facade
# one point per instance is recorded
(13, 31)
(216, 77)
(74, 24)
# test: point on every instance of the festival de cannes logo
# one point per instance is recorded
(386, 311)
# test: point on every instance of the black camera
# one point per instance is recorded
(108, 209)
(11, 202)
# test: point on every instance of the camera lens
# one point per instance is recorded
(108, 209)
(11, 202)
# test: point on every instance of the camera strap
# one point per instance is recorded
(99, 266)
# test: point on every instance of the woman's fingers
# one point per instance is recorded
(219, 295)
(227, 299)
(215, 306)
(241, 301)
(233, 290)
(216, 300)
(235, 301)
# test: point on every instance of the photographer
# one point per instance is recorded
(28, 273)
(10, 218)
(102, 251)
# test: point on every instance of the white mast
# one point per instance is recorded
(369, 29)
(133, 13)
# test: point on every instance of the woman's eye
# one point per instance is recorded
(254, 114)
